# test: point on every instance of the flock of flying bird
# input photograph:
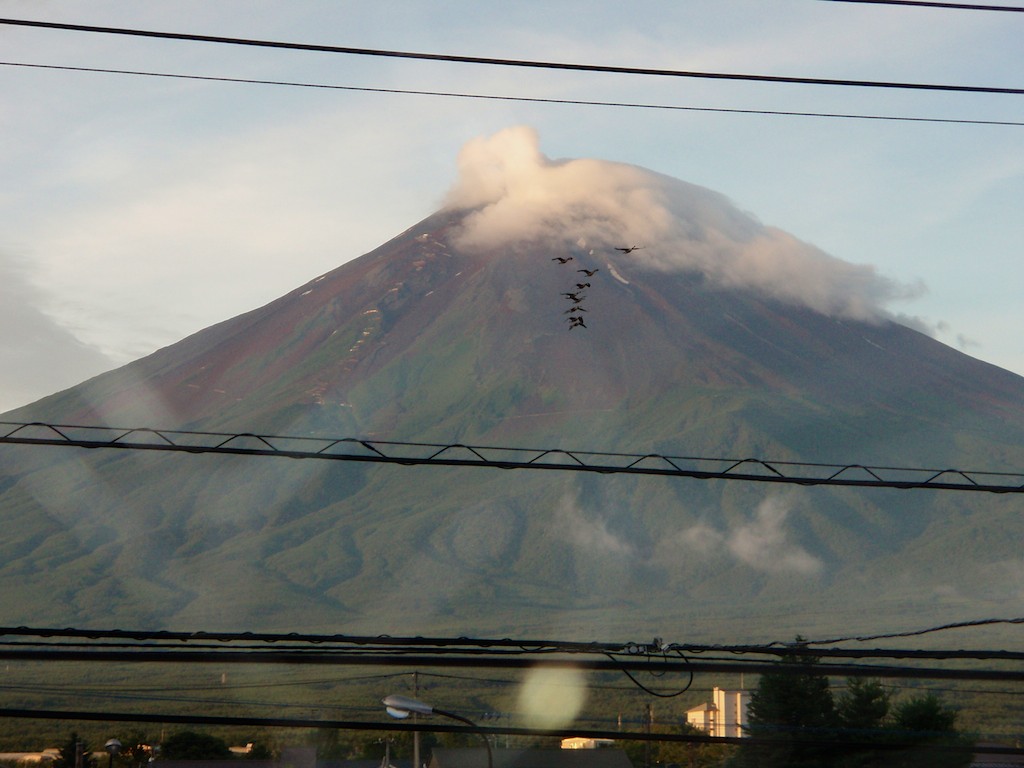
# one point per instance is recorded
(576, 297)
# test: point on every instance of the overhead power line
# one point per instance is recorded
(931, 4)
(658, 665)
(654, 658)
(651, 653)
(488, 730)
(916, 632)
(655, 651)
(520, 63)
(524, 99)
(495, 457)
(363, 725)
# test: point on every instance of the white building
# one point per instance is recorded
(703, 717)
(724, 716)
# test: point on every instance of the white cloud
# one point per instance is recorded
(592, 535)
(701, 538)
(761, 543)
(39, 355)
(516, 194)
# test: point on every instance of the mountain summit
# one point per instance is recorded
(575, 304)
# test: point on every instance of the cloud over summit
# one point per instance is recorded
(514, 193)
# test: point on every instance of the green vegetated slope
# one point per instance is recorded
(243, 543)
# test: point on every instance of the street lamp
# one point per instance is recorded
(400, 707)
(113, 747)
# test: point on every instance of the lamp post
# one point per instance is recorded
(113, 747)
(400, 707)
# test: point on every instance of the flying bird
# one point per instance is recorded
(576, 322)
(630, 249)
(562, 259)
(581, 286)
(589, 272)
(575, 298)
(577, 308)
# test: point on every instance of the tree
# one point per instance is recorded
(925, 715)
(330, 745)
(799, 724)
(643, 753)
(190, 745)
(75, 753)
(862, 709)
(688, 754)
(792, 709)
(260, 751)
(135, 751)
(931, 727)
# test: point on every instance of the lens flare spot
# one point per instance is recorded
(551, 698)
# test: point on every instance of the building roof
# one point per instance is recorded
(705, 707)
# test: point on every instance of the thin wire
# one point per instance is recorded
(509, 681)
(652, 692)
(913, 633)
(930, 4)
(151, 697)
(524, 99)
(523, 63)
(121, 689)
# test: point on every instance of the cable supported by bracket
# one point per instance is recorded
(552, 459)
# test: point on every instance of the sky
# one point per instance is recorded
(137, 210)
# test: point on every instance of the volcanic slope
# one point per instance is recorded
(433, 338)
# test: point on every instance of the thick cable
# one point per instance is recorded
(915, 632)
(520, 63)
(935, 4)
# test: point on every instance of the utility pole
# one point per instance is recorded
(647, 743)
(415, 734)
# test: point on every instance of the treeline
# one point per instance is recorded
(795, 721)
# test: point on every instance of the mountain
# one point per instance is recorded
(459, 331)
